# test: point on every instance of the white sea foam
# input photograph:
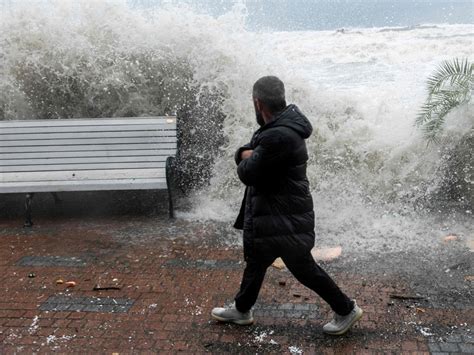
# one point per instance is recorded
(369, 166)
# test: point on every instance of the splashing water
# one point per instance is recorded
(371, 173)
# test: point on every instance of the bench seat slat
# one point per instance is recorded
(89, 185)
(98, 166)
(89, 122)
(92, 147)
(78, 176)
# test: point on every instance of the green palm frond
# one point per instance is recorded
(450, 86)
(454, 73)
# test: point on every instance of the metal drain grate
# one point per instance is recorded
(203, 264)
(68, 261)
(86, 304)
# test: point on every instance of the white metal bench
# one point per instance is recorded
(86, 155)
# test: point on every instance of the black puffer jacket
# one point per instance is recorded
(277, 200)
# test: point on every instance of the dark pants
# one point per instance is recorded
(301, 264)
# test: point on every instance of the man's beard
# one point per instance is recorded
(259, 117)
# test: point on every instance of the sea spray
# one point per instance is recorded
(372, 175)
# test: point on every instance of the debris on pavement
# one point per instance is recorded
(278, 264)
(105, 288)
(450, 238)
(406, 297)
(326, 254)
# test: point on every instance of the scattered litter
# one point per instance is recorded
(31, 275)
(295, 350)
(34, 325)
(326, 254)
(153, 305)
(70, 284)
(406, 297)
(469, 278)
(50, 339)
(261, 337)
(450, 238)
(420, 310)
(105, 288)
(115, 280)
(425, 331)
(59, 282)
(273, 342)
(197, 311)
(278, 264)
(53, 338)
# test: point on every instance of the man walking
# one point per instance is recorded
(277, 214)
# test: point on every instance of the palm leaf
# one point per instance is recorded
(450, 86)
(455, 73)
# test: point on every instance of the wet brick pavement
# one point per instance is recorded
(161, 280)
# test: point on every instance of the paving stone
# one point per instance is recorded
(286, 310)
(86, 304)
(173, 285)
(433, 347)
(468, 339)
(59, 261)
(203, 264)
(467, 348)
(450, 347)
(453, 339)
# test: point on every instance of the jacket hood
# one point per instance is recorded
(293, 118)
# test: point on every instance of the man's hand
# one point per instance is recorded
(246, 154)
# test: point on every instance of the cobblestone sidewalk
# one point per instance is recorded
(86, 286)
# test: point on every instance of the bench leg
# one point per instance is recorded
(169, 178)
(28, 201)
(56, 197)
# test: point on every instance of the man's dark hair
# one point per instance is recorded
(271, 91)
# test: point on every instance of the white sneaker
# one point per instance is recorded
(232, 315)
(341, 324)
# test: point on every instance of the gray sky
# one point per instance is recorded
(333, 14)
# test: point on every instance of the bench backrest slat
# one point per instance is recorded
(20, 136)
(83, 128)
(130, 121)
(84, 141)
(90, 147)
(86, 150)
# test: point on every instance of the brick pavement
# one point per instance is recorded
(161, 280)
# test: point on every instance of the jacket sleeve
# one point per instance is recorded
(270, 154)
(239, 151)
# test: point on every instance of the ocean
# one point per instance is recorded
(372, 174)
